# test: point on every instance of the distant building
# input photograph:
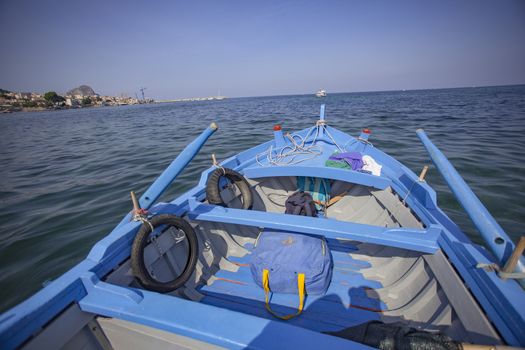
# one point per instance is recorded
(72, 102)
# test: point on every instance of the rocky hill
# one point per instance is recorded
(82, 90)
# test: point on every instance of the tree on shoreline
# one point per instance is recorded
(52, 97)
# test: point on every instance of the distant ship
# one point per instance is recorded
(219, 96)
(321, 93)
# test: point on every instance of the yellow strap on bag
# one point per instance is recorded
(300, 287)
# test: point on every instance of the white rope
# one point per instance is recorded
(331, 138)
(408, 193)
(289, 154)
(292, 154)
(142, 218)
(358, 139)
(218, 166)
(364, 141)
(347, 143)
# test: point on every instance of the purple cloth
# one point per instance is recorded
(354, 159)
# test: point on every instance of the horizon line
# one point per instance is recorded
(391, 90)
(330, 93)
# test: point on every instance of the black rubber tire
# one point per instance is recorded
(213, 191)
(138, 266)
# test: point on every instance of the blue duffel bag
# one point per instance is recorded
(285, 262)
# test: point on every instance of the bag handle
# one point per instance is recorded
(300, 287)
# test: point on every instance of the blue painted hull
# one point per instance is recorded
(226, 321)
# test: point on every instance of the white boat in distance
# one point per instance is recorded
(321, 93)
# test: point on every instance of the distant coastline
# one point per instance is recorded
(81, 97)
(192, 99)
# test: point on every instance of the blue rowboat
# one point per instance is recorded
(177, 274)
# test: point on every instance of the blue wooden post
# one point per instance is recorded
(322, 120)
(497, 240)
(365, 134)
(278, 136)
(174, 169)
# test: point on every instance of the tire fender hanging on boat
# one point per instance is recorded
(213, 192)
(142, 239)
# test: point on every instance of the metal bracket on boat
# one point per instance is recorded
(510, 265)
(502, 274)
(216, 164)
(507, 271)
(139, 214)
(423, 174)
(511, 275)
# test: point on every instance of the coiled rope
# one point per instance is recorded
(300, 150)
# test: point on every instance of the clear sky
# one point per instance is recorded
(255, 48)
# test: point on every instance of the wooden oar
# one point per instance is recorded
(174, 169)
(493, 234)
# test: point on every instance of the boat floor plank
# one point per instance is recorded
(346, 303)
